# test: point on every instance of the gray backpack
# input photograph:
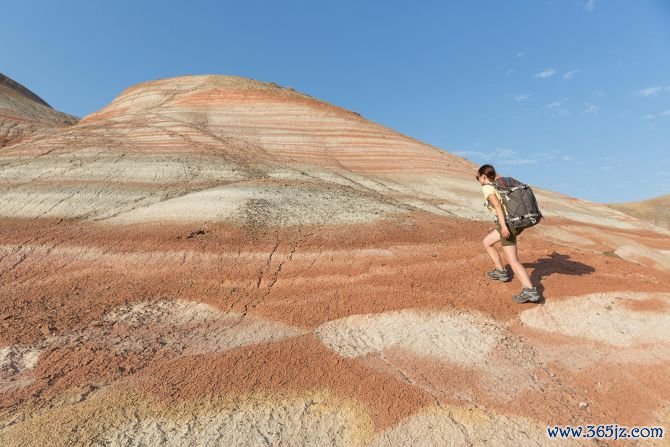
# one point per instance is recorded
(520, 202)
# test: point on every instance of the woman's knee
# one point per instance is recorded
(515, 263)
(491, 239)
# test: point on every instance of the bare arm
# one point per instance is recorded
(493, 199)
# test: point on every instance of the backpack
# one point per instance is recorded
(520, 202)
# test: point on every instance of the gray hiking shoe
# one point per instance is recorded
(527, 296)
(500, 275)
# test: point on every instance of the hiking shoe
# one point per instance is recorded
(527, 295)
(500, 275)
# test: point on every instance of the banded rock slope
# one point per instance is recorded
(656, 210)
(24, 114)
(219, 261)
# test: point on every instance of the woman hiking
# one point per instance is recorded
(506, 235)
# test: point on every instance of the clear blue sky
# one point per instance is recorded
(571, 95)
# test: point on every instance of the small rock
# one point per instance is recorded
(46, 329)
(195, 233)
(583, 405)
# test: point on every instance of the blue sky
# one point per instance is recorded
(571, 95)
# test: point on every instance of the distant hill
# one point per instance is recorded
(656, 210)
(23, 113)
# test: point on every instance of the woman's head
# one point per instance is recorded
(486, 172)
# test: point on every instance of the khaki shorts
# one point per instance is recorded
(513, 233)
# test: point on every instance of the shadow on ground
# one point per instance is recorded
(555, 263)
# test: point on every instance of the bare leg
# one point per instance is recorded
(519, 270)
(490, 239)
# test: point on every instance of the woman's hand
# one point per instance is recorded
(504, 231)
